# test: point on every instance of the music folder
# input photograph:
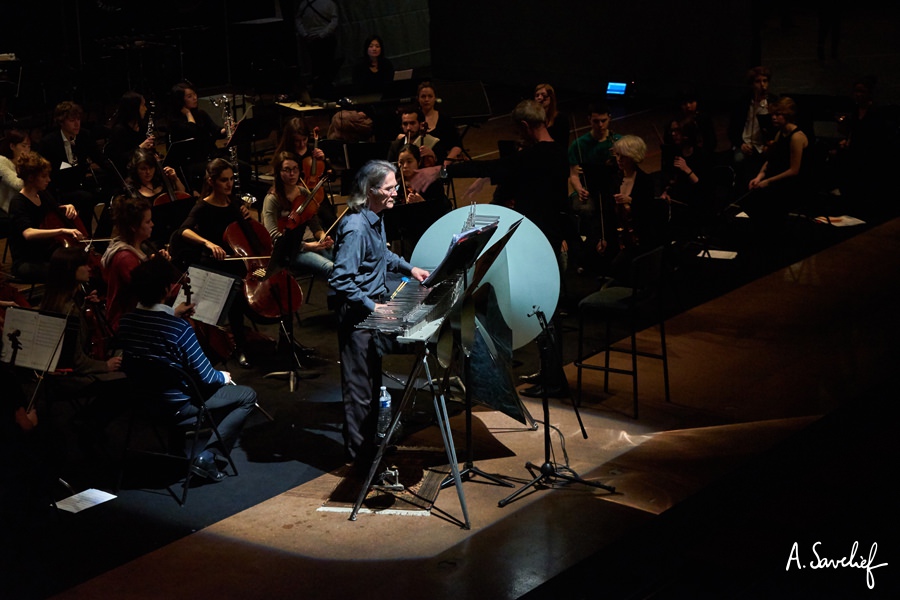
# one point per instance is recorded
(464, 249)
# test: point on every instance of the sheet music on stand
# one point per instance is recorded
(212, 293)
(464, 249)
(39, 335)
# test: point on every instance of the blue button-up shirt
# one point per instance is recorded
(361, 259)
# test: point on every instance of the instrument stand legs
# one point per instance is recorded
(288, 331)
(549, 472)
(443, 420)
(470, 470)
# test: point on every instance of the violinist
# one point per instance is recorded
(132, 226)
(295, 139)
(418, 206)
(30, 242)
(204, 231)
(414, 131)
(146, 179)
(315, 251)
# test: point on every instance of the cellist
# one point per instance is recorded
(203, 232)
(31, 241)
(147, 181)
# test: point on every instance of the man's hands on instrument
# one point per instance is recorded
(113, 364)
(228, 379)
(184, 310)
(418, 274)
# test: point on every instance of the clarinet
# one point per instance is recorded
(228, 118)
(151, 128)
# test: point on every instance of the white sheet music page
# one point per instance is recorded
(209, 293)
(39, 337)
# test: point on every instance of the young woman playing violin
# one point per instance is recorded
(204, 231)
(314, 253)
(32, 237)
(417, 207)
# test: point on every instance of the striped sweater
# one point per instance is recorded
(155, 331)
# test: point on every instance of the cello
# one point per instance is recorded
(269, 296)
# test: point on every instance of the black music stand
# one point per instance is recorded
(548, 471)
(283, 249)
(482, 266)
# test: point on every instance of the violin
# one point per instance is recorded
(314, 170)
(270, 297)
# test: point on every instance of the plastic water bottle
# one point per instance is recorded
(384, 412)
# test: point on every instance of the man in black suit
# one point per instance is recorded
(71, 151)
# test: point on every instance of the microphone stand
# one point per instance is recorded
(548, 471)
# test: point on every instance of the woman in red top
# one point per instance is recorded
(133, 226)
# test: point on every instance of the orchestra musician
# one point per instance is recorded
(129, 131)
(193, 132)
(373, 72)
(145, 178)
(414, 131)
(154, 329)
(419, 206)
(442, 129)
(132, 226)
(74, 156)
(66, 293)
(204, 231)
(13, 145)
(315, 250)
(295, 139)
(557, 122)
(358, 287)
(30, 242)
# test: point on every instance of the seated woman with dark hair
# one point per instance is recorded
(31, 241)
(192, 134)
(441, 128)
(314, 250)
(373, 72)
(146, 180)
(66, 293)
(129, 131)
(417, 207)
(13, 145)
(295, 139)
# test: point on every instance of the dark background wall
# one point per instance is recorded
(581, 45)
(89, 50)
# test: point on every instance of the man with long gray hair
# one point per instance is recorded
(358, 288)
